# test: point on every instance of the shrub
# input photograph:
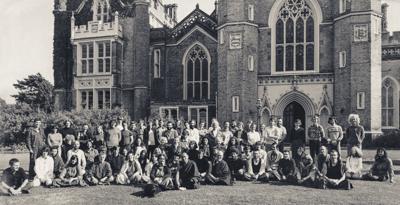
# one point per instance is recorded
(390, 139)
(16, 119)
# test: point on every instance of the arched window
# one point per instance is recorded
(295, 39)
(197, 71)
(388, 108)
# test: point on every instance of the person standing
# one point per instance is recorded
(85, 136)
(297, 137)
(127, 137)
(281, 134)
(69, 136)
(113, 136)
(355, 133)
(226, 134)
(334, 135)
(35, 142)
(271, 133)
(54, 139)
(194, 134)
(315, 134)
(253, 136)
(170, 133)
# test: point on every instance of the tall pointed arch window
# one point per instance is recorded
(197, 74)
(295, 39)
(388, 103)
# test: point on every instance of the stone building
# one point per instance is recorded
(247, 60)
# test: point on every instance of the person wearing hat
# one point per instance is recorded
(54, 139)
(236, 164)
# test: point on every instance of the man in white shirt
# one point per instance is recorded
(226, 133)
(271, 134)
(44, 166)
(281, 130)
(194, 134)
(253, 136)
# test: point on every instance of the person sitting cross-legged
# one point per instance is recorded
(202, 165)
(72, 174)
(382, 169)
(161, 175)
(218, 172)
(306, 171)
(236, 165)
(334, 177)
(116, 161)
(14, 180)
(44, 166)
(256, 168)
(131, 172)
(354, 164)
(287, 168)
(100, 172)
(188, 174)
(58, 162)
(273, 158)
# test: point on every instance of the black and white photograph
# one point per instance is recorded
(199, 102)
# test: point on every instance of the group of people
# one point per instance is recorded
(186, 155)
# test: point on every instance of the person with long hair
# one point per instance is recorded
(382, 169)
(193, 152)
(98, 138)
(354, 164)
(306, 171)
(138, 146)
(131, 172)
(72, 174)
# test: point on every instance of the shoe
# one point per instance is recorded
(25, 191)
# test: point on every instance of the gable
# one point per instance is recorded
(197, 18)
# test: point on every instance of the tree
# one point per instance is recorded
(2, 102)
(35, 91)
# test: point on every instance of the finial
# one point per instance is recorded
(197, 6)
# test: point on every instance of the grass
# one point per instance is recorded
(241, 193)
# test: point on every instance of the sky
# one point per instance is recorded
(26, 40)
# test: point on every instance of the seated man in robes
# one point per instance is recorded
(188, 174)
(219, 173)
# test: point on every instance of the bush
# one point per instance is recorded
(15, 120)
(390, 139)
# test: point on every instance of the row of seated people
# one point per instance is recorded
(168, 169)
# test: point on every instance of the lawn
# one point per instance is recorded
(241, 193)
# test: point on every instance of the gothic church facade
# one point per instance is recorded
(247, 60)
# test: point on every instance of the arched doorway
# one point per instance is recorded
(292, 112)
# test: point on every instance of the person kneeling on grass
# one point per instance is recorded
(72, 174)
(306, 171)
(188, 174)
(131, 172)
(287, 168)
(334, 178)
(354, 164)
(382, 169)
(161, 175)
(256, 168)
(218, 172)
(100, 173)
(44, 166)
(14, 180)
